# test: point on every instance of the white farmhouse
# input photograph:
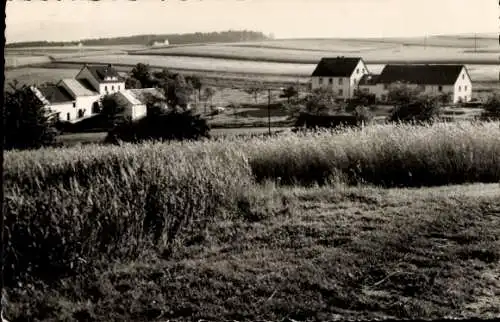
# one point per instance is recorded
(453, 80)
(78, 98)
(340, 74)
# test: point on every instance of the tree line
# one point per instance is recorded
(174, 39)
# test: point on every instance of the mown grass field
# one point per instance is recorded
(296, 226)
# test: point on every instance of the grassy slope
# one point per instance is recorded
(309, 253)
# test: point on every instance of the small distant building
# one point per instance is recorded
(136, 101)
(161, 43)
(340, 74)
(434, 79)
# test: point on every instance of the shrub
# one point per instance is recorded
(416, 110)
(171, 125)
(492, 108)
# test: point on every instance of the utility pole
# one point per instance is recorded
(269, 110)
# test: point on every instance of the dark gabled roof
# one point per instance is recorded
(420, 74)
(85, 83)
(56, 94)
(369, 79)
(100, 72)
(336, 67)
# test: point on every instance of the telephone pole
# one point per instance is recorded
(269, 110)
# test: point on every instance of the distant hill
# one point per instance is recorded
(173, 39)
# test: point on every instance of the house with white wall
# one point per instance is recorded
(103, 78)
(431, 79)
(76, 98)
(339, 74)
(135, 101)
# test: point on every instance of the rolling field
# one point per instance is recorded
(323, 226)
(434, 49)
(479, 72)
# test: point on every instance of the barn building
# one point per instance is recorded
(453, 80)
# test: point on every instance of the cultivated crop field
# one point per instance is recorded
(432, 50)
(318, 226)
(477, 71)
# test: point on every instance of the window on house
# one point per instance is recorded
(341, 81)
(357, 70)
(386, 86)
(112, 87)
(330, 81)
(463, 76)
(465, 88)
(341, 92)
(68, 116)
(459, 88)
(440, 88)
(74, 104)
(320, 80)
(106, 88)
(118, 87)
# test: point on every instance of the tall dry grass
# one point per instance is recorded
(66, 208)
(387, 155)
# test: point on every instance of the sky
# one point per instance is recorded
(81, 19)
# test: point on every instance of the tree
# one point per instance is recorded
(142, 73)
(289, 92)
(175, 87)
(411, 105)
(131, 83)
(111, 110)
(27, 124)
(195, 84)
(322, 101)
(208, 93)
(423, 109)
(254, 90)
(401, 93)
(492, 108)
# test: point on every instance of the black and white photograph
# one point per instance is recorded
(251, 160)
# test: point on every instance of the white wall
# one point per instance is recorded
(381, 92)
(356, 76)
(85, 103)
(138, 111)
(110, 88)
(349, 84)
(462, 87)
(63, 109)
(335, 86)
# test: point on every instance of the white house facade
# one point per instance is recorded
(340, 74)
(76, 98)
(453, 80)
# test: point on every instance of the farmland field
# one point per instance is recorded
(432, 50)
(478, 71)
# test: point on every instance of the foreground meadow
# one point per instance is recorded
(295, 226)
